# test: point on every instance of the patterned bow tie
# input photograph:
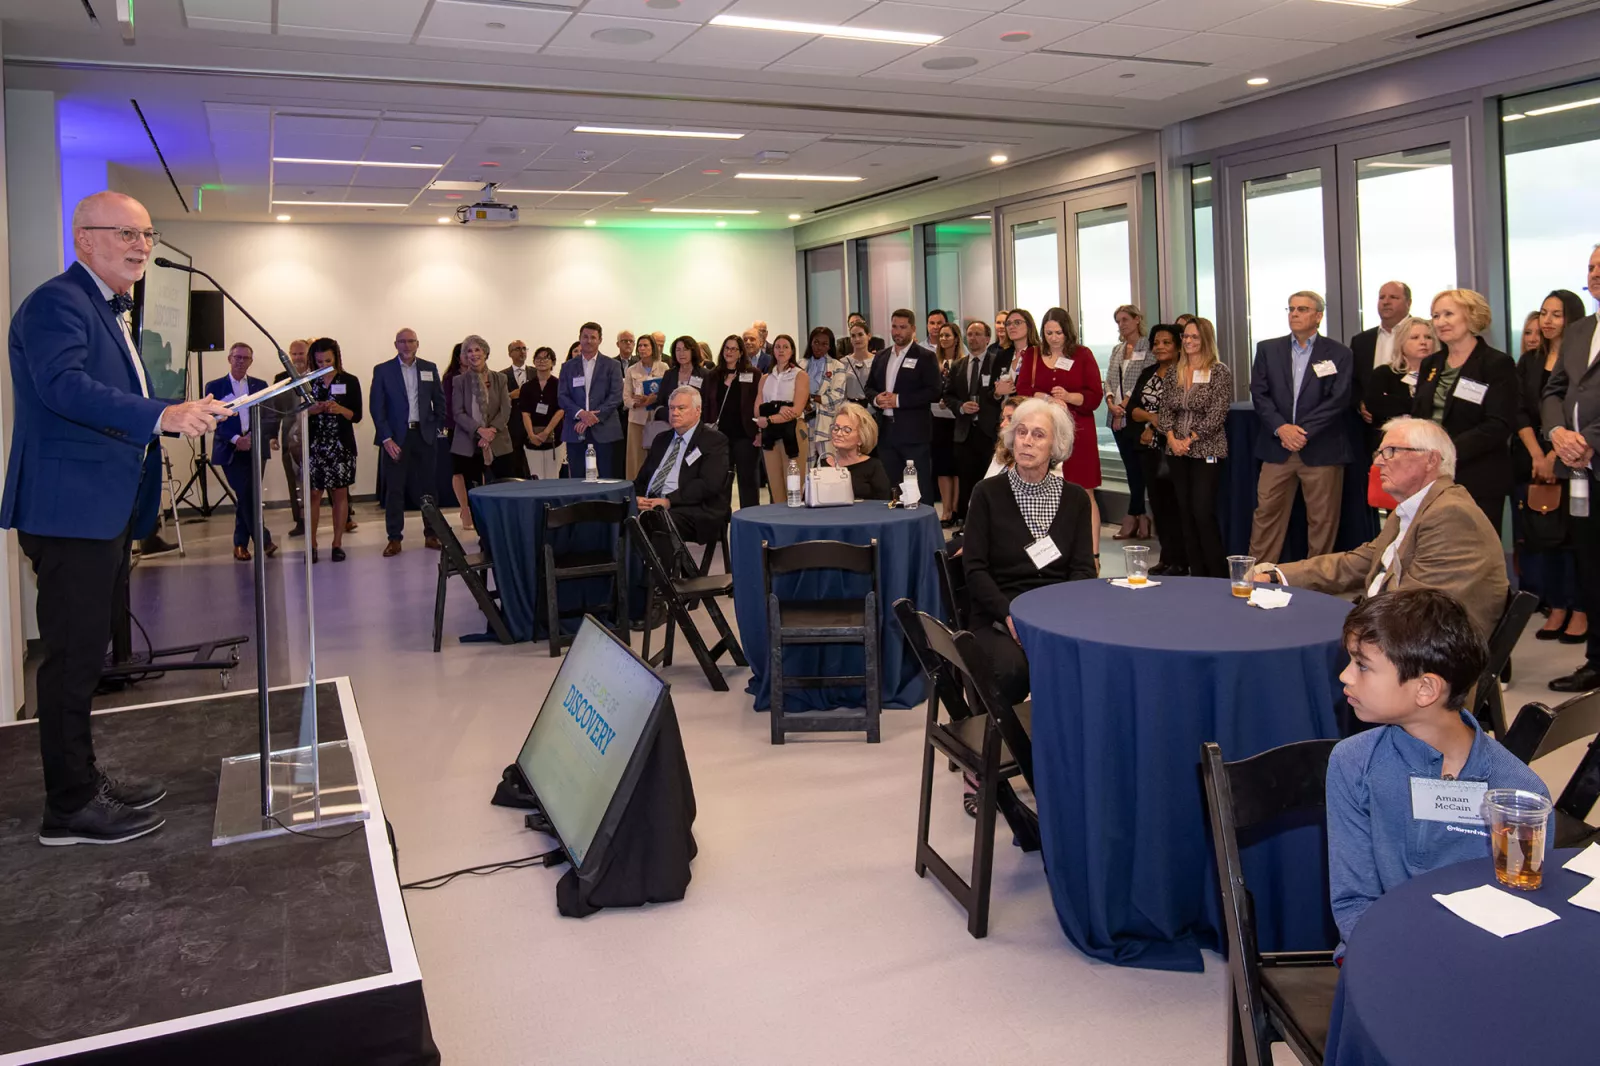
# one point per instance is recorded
(121, 303)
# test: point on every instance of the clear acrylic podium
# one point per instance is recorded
(301, 784)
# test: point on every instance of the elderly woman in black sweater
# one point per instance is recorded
(1026, 528)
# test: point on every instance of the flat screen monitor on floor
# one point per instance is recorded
(587, 746)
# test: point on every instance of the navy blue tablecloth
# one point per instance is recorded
(1236, 506)
(510, 520)
(1421, 986)
(1127, 684)
(906, 539)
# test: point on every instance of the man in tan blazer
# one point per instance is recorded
(1436, 538)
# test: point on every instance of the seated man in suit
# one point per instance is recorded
(590, 396)
(234, 446)
(1437, 538)
(685, 474)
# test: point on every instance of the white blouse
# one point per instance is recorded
(778, 386)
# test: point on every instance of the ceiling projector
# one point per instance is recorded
(487, 213)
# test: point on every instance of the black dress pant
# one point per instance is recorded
(244, 497)
(1164, 508)
(747, 466)
(972, 459)
(1585, 538)
(1006, 659)
(411, 474)
(291, 474)
(79, 582)
(1195, 482)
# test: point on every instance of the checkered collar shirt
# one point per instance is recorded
(1038, 503)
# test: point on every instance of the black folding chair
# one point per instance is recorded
(676, 592)
(952, 587)
(1488, 706)
(792, 622)
(704, 567)
(1282, 995)
(472, 569)
(1540, 730)
(577, 566)
(991, 746)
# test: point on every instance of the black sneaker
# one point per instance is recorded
(155, 545)
(100, 821)
(299, 530)
(135, 793)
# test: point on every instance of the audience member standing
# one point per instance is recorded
(1571, 417)
(759, 357)
(590, 395)
(947, 349)
(685, 366)
(734, 414)
(331, 421)
(233, 448)
(1144, 411)
(1375, 347)
(1300, 385)
(1193, 418)
(764, 345)
(408, 416)
(829, 384)
(903, 386)
(1063, 371)
(1128, 359)
(785, 391)
(539, 411)
(626, 355)
(640, 396)
(858, 360)
(287, 441)
(517, 375)
(481, 411)
(1392, 386)
(969, 392)
(1470, 389)
(937, 320)
(1530, 334)
(1545, 561)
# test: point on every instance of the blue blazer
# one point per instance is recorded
(81, 429)
(391, 413)
(1324, 401)
(604, 399)
(222, 449)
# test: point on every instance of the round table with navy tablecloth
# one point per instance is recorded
(510, 520)
(1421, 986)
(907, 539)
(1127, 684)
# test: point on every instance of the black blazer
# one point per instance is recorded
(994, 554)
(700, 482)
(1387, 396)
(1481, 431)
(519, 435)
(918, 388)
(1364, 349)
(328, 389)
(958, 389)
(732, 408)
(670, 380)
(868, 479)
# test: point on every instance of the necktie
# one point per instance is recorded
(121, 303)
(668, 461)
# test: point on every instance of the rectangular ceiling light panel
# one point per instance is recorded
(818, 29)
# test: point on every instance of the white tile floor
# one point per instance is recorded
(805, 936)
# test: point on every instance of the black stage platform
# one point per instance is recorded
(168, 950)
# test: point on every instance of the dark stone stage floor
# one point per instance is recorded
(99, 939)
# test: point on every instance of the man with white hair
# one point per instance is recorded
(685, 472)
(1437, 537)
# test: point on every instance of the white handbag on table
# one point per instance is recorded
(829, 486)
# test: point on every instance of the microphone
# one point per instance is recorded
(304, 391)
(163, 261)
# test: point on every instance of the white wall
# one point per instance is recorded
(359, 284)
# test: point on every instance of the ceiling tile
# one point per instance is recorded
(1091, 10)
(577, 37)
(237, 116)
(399, 150)
(1041, 69)
(324, 125)
(978, 5)
(1226, 48)
(622, 181)
(374, 20)
(661, 160)
(913, 67)
(1190, 15)
(502, 129)
(734, 48)
(1111, 79)
(242, 10)
(546, 179)
(316, 146)
(687, 11)
(825, 11)
(307, 174)
(500, 26)
(1309, 20)
(228, 25)
(833, 55)
(1043, 32)
(1112, 39)
(1182, 81)
(424, 130)
(916, 18)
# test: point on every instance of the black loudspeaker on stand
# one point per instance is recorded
(205, 335)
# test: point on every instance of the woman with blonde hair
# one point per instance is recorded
(1193, 417)
(1392, 388)
(855, 435)
(1129, 358)
(480, 410)
(641, 384)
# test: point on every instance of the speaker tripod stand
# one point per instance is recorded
(199, 480)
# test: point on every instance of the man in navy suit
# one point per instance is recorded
(83, 440)
(590, 395)
(903, 387)
(234, 447)
(1301, 386)
(407, 405)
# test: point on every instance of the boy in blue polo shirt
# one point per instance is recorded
(1404, 798)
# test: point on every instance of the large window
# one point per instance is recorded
(1405, 226)
(1105, 277)
(1551, 142)
(883, 278)
(1035, 259)
(1284, 251)
(1203, 242)
(825, 288)
(958, 265)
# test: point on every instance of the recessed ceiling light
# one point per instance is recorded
(950, 63)
(1256, 81)
(416, 147)
(997, 159)
(722, 222)
(701, 211)
(1128, 75)
(1369, 3)
(623, 35)
(441, 219)
(590, 222)
(797, 177)
(333, 203)
(355, 163)
(793, 217)
(1017, 36)
(562, 192)
(452, 196)
(629, 131)
(283, 218)
(488, 163)
(711, 171)
(854, 33)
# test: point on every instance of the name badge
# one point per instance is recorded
(1200, 377)
(541, 408)
(1434, 800)
(1470, 391)
(692, 458)
(1067, 365)
(1043, 552)
(337, 390)
(747, 378)
(984, 381)
(909, 364)
(695, 382)
(425, 375)
(577, 382)
(1324, 368)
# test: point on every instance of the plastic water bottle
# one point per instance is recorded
(1578, 496)
(911, 476)
(591, 465)
(795, 499)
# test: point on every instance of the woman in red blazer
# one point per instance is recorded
(1064, 372)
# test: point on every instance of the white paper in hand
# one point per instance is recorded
(1586, 862)
(1269, 598)
(1496, 910)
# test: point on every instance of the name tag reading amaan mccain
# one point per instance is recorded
(1435, 800)
(1324, 368)
(1470, 391)
(1043, 552)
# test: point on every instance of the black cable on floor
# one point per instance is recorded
(548, 858)
(313, 836)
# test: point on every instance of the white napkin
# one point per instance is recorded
(910, 492)
(1122, 583)
(1586, 862)
(1588, 896)
(1496, 910)
(1269, 598)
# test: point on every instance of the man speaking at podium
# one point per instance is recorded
(85, 437)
